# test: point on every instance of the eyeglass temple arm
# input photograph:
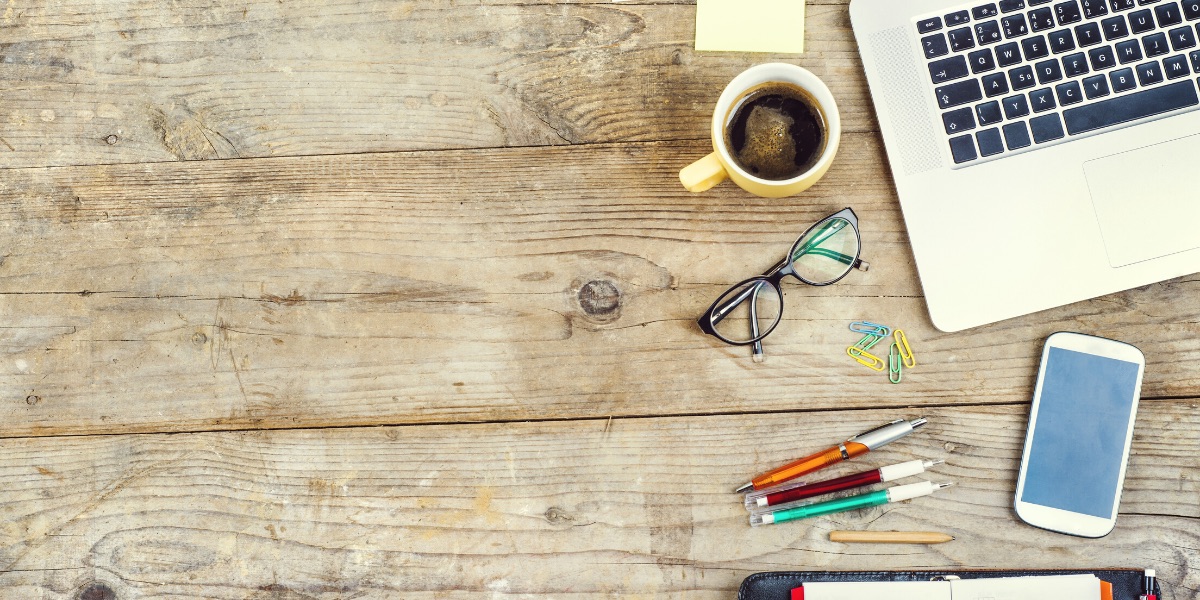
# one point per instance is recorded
(757, 346)
(722, 311)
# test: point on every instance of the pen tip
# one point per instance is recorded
(918, 423)
(943, 484)
(744, 488)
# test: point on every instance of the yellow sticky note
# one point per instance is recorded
(750, 25)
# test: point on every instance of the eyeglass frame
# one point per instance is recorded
(774, 276)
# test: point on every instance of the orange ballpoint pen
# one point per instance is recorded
(855, 446)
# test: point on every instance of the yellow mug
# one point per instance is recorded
(719, 166)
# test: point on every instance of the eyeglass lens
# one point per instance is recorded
(754, 309)
(825, 253)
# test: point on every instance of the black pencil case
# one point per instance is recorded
(1126, 583)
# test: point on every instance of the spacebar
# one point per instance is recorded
(1131, 107)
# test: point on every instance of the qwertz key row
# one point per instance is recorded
(1013, 75)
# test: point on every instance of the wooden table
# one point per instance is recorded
(377, 299)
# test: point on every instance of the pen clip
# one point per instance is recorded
(870, 431)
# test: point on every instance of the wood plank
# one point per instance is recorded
(635, 508)
(532, 284)
(92, 83)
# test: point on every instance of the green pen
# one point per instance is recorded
(897, 493)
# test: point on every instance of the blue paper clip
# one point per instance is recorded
(871, 328)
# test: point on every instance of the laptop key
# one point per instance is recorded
(1168, 14)
(1118, 5)
(930, 24)
(1094, 8)
(1182, 38)
(1102, 58)
(1068, 12)
(1129, 51)
(1088, 34)
(989, 113)
(1015, 107)
(1095, 86)
(1016, 136)
(1175, 66)
(986, 11)
(962, 148)
(981, 61)
(1130, 107)
(935, 45)
(1048, 71)
(1014, 25)
(961, 39)
(1191, 9)
(1007, 6)
(1068, 93)
(1149, 73)
(1195, 58)
(1061, 41)
(1046, 128)
(1122, 80)
(1039, 2)
(961, 17)
(987, 32)
(1114, 28)
(996, 84)
(954, 94)
(1156, 44)
(1022, 77)
(959, 120)
(1035, 47)
(1041, 19)
(990, 142)
(1075, 65)
(1141, 21)
(948, 69)
(1009, 54)
(1042, 100)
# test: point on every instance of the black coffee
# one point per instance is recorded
(775, 131)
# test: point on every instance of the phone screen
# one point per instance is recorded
(1078, 446)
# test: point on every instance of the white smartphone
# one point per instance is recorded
(1080, 430)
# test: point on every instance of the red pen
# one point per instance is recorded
(855, 446)
(775, 496)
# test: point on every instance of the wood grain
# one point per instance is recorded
(630, 508)
(92, 83)
(470, 286)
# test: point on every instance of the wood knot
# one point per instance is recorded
(32, 400)
(599, 298)
(111, 139)
(555, 514)
(97, 591)
(199, 339)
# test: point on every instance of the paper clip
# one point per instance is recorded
(895, 365)
(865, 358)
(906, 353)
(869, 327)
(869, 341)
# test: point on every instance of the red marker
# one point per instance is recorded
(776, 496)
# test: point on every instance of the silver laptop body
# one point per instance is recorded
(1077, 187)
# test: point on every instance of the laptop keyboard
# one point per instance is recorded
(1016, 75)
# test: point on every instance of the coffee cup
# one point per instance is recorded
(775, 130)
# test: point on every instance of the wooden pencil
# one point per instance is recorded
(890, 537)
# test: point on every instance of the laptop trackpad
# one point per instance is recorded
(1136, 192)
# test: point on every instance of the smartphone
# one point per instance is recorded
(1080, 430)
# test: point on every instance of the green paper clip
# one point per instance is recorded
(895, 364)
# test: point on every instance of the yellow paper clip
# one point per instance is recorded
(895, 365)
(906, 353)
(865, 358)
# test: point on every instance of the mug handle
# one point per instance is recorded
(703, 174)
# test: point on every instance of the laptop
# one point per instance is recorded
(1044, 151)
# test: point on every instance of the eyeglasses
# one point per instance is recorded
(750, 310)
